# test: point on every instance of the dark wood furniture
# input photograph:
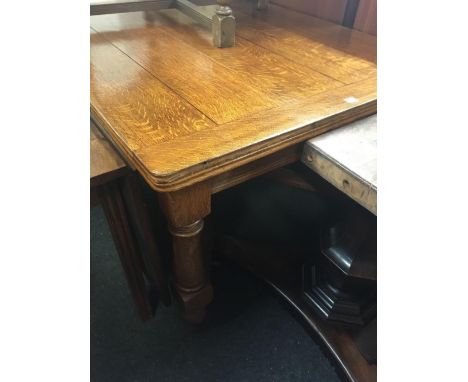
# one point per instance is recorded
(112, 186)
(348, 336)
(329, 279)
(283, 273)
(340, 281)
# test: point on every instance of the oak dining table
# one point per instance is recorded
(194, 119)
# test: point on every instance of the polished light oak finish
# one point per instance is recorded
(194, 120)
(105, 163)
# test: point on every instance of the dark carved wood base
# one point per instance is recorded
(282, 271)
(341, 283)
(334, 304)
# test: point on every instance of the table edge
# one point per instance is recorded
(200, 172)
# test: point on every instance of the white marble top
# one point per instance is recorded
(347, 158)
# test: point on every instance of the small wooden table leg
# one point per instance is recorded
(185, 210)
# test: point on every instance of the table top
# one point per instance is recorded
(105, 163)
(181, 110)
(347, 158)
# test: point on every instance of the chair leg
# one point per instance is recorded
(114, 208)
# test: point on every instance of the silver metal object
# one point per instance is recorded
(347, 158)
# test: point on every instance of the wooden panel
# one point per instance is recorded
(138, 108)
(256, 168)
(330, 49)
(332, 10)
(366, 18)
(345, 40)
(209, 153)
(312, 53)
(105, 163)
(212, 88)
(281, 80)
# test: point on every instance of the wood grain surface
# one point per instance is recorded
(182, 111)
(350, 41)
(269, 74)
(105, 163)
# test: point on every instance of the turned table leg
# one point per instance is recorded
(185, 210)
(190, 277)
